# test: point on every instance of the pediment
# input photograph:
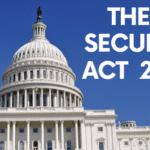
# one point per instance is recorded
(100, 139)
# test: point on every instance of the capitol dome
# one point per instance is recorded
(39, 77)
(39, 48)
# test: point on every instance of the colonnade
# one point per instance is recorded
(42, 135)
(40, 97)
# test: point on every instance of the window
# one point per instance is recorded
(68, 130)
(19, 76)
(1, 145)
(21, 145)
(31, 74)
(56, 76)
(23, 53)
(49, 130)
(37, 100)
(51, 75)
(35, 144)
(14, 78)
(126, 143)
(140, 143)
(68, 145)
(35, 130)
(100, 128)
(49, 145)
(2, 130)
(61, 77)
(33, 52)
(22, 100)
(101, 146)
(44, 74)
(30, 100)
(38, 74)
(25, 75)
(44, 98)
(19, 54)
(28, 52)
(21, 130)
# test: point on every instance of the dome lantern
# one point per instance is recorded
(39, 27)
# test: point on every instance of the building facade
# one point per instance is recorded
(41, 108)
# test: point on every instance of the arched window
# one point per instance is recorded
(44, 74)
(1, 145)
(37, 100)
(68, 145)
(21, 145)
(19, 76)
(51, 75)
(38, 74)
(10, 79)
(49, 145)
(25, 75)
(61, 77)
(56, 76)
(35, 145)
(14, 78)
(31, 74)
(44, 100)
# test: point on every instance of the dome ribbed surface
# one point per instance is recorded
(39, 49)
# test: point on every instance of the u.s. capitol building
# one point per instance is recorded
(41, 108)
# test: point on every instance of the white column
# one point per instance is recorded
(42, 135)
(78, 102)
(28, 74)
(113, 128)
(16, 77)
(120, 146)
(56, 134)
(82, 134)
(25, 98)
(8, 135)
(18, 99)
(33, 97)
(148, 143)
(62, 134)
(109, 136)
(131, 139)
(64, 98)
(28, 135)
(61, 97)
(76, 135)
(57, 103)
(10, 99)
(41, 103)
(14, 135)
(75, 101)
(70, 100)
(49, 104)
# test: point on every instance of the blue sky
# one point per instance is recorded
(68, 22)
